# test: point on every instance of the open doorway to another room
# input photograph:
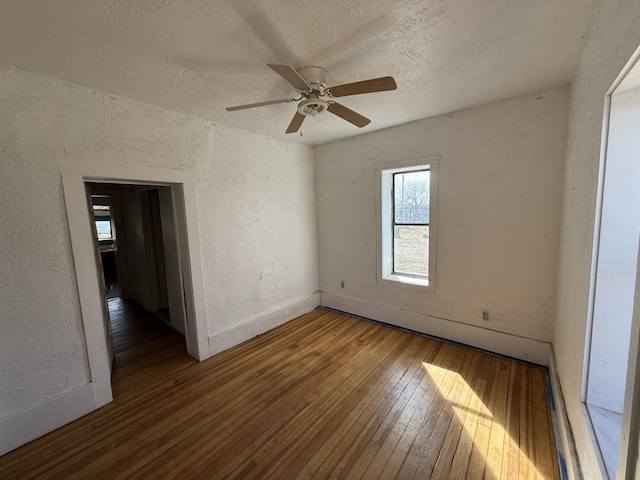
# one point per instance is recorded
(140, 260)
(184, 270)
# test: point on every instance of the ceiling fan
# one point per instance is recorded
(316, 97)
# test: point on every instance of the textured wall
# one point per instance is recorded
(256, 195)
(41, 344)
(46, 122)
(613, 37)
(500, 189)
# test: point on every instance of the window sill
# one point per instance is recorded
(410, 283)
(607, 427)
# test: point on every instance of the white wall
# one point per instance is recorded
(256, 209)
(613, 36)
(256, 219)
(500, 191)
(41, 343)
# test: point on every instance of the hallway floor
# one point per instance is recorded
(141, 343)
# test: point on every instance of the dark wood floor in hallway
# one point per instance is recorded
(326, 395)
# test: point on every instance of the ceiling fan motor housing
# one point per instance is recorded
(316, 77)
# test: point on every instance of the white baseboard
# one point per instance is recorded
(34, 422)
(564, 438)
(527, 349)
(264, 322)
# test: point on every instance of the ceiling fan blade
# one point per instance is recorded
(296, 123)
(366, 86)
(291, 76)
(348, 114)
(259, 104)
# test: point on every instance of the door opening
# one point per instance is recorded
(185, 269)
(139, 251)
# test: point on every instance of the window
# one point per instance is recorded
(102, 215)
(406, 221)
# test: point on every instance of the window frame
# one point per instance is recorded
(385, 223)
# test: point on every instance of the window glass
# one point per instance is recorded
(102, 215)
(104, 229)
(411, 223)
(411, 250)
(411, 196)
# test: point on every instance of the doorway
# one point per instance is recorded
(139, 252)
(610, 349)
(188, 269)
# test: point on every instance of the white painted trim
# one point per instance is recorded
(604, 141)
(186, 216)
(89, 289)
(384, 262)
(630, 441)
(34, 422)
(562, 426)
(112, 173)
(629, 454)
(515, 346)
(262, 323)
(617, 85)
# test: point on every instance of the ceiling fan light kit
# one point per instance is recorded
(312, 106)
(311, 84)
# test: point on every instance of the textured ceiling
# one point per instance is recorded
(200, 56)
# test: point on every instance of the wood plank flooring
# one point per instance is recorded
(325, 396)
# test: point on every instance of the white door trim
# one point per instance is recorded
(82, 246)
(183, 193)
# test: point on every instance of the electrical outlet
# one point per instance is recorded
(485, 315)
(342, 284)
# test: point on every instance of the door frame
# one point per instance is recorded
(184, 204)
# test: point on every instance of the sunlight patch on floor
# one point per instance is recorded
(483, 440)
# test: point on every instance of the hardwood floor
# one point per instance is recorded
(324, 396)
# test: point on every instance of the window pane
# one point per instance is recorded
(411, 250)
(103, 228)
(411, 196)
